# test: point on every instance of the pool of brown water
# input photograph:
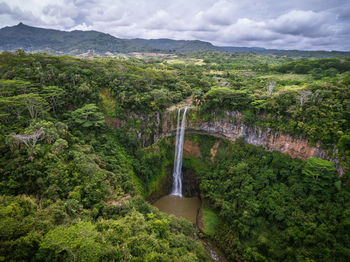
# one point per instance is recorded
(186, 207)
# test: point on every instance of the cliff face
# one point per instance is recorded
(230, 126)
(191, 148)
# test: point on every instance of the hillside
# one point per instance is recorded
(54, 41)
(88, 43)
(78, 42)
(176, 45)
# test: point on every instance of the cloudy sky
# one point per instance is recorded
(283, 24)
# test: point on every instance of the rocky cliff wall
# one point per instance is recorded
(230, 126)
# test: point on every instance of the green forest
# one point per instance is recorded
(274, 208)
(79, 157)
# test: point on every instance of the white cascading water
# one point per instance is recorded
(180, 133)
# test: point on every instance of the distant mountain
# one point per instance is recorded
(34, 39)
(55, 41)
(233, 49)
(176, 45)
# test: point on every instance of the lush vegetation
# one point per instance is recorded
(265, 206)
(75, 167)
(68, 187)
(273, 208)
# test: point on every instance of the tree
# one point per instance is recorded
(222, 97)
(15, 87)
(270, 87)
(318, 168)
(78, 240)
(53, 94)
(161, 98)
(11, 106)
(304, 96)
(59, 145)
(344, 144)
(29, 140)
(88, 117)
(34, 103)
(319, 175)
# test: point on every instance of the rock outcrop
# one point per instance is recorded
(191, 148)
(230, 126)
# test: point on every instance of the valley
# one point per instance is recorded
(88, 148)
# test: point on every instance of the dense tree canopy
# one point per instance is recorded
(272, 207)
(76, 161)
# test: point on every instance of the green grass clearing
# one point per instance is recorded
(210, 221)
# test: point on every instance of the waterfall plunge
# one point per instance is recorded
(180, 133)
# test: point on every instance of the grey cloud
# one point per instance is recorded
(298, 22)
(4, 8)
(221, 13)
(16, 12)
(344, 13)
(312, 24)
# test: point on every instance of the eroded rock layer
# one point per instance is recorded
(230, 126)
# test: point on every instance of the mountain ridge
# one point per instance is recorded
(78, 42)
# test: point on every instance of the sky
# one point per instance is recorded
(282, 24)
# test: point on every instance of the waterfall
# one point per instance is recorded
(180, 133)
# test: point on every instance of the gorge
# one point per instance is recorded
(221, 125)
(175, 203)
(230, 125)
(105, 137)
